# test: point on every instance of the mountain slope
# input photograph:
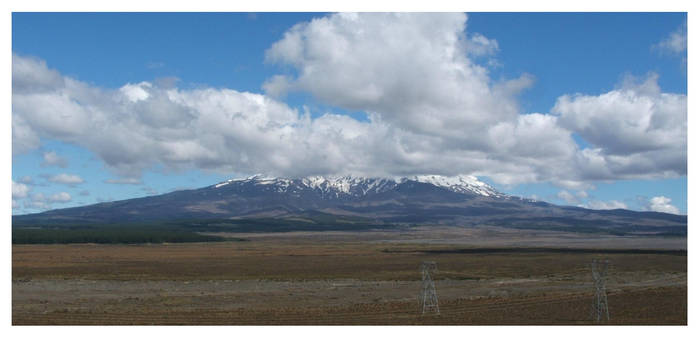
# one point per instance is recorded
(461, 200)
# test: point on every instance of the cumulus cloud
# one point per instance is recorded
(26, 78)
(636, 131)
(675, 43)
(662, 204)
(66, 179)
(430, 110)
(37, 205)
(568, 197)
(41, 201)
(24, 139)
(412, 69)
(582, 199)
(480, 45)
(19, 190)
(53, 159)
(59, 197)
(136, 92)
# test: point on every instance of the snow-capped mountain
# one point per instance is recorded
(337, 186)
(363, 202)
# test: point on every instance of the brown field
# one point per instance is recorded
(333, 278)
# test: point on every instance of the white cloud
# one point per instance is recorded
(568, 197)
(430, 110)
(31, 74)
(662, 204)
(480, 45)
(277, 86)
(636, 131)
(676, 42)
(39, 201)
(612, 204)
(411, 68)
(19, 190)
(53, 159)
(635, 118)
(136, 92)
(532, 136)
(36, 204)
(61, 197)
(66, 179)
(24, 138)
(582, 199)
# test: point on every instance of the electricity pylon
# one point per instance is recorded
(428, 296)
(600, 301)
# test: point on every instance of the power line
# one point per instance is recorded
(599, 269)
(428, 296)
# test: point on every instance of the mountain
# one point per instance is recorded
(427, 199)
(337, 187)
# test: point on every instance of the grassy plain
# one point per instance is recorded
(337, 278)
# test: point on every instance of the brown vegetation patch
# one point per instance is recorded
(289, 281)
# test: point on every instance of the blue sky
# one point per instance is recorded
(589, 54)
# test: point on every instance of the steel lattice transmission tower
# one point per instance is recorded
(428, 296)
(600, 301)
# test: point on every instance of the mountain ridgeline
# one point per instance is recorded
(358, 203)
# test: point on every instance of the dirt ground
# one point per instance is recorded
(335, 278)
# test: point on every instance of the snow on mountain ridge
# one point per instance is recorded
(345, 184)
(459, 183)
(259, 177)
(337, 185)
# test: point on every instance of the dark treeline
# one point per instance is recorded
(106, 235)
(509, 250)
